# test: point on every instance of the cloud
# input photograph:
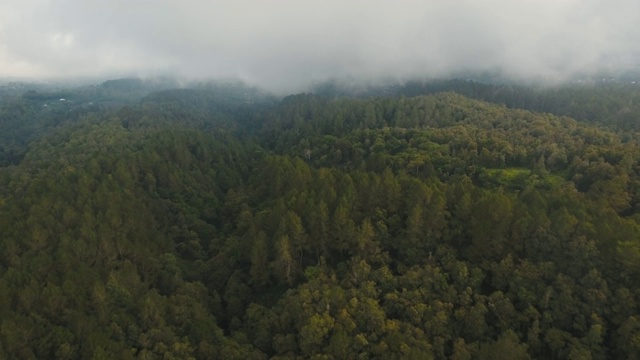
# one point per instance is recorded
(285, 44)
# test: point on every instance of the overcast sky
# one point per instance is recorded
(284, 44)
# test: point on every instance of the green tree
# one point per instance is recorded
(259, 270)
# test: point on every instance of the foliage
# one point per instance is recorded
(210, 223)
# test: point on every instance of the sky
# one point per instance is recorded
(288, 44)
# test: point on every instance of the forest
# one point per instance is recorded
(432, 220)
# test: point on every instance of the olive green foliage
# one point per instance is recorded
(194, 224)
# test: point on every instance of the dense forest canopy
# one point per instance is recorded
(441, 220)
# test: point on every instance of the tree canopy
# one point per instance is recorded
(216, 222)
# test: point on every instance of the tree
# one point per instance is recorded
(259, 270)
(490, 221)
(508, 346)
(284, 262)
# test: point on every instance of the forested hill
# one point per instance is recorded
(611, 103)
(221, 224)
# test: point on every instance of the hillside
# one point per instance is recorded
(218, 222)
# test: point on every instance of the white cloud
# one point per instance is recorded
(287, 43)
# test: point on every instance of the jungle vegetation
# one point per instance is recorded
(454, 220)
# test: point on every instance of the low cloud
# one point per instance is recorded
(286, 44)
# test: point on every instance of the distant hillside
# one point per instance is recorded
(609, 103)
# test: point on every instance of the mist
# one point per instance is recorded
(285, 45)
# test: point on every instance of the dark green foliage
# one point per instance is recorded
(210, 223)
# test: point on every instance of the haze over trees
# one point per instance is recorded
(441, 220)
